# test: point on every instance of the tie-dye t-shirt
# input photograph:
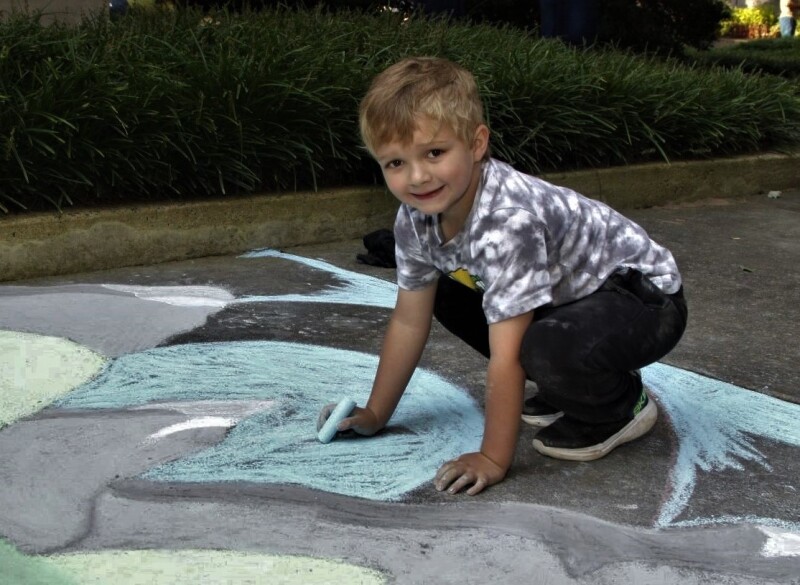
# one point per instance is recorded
(527, 243)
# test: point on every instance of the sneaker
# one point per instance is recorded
(536, 412)
(574, 440)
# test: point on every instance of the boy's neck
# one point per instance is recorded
(452, 220)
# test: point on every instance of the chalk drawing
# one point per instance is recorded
(236, 410)
(192, 567)
(20, 569)
(181, 567)
(214, 413)
(780, 544)
(356, 289)
(105, 318)
(180, 296)
(204, 422)
(715, 424)
(435, 421)
(36, 369)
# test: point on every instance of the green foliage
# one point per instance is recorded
(20, 569)
(179, 104)
(774, 56)
(764, 15)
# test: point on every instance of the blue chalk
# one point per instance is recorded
(328, 430)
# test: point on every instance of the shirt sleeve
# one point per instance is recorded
(512, 251)
(415, 269)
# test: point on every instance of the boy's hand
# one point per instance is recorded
(362, 420)
(471, 468)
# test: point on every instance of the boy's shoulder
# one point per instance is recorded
(504, 186)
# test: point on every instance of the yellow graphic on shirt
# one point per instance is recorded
(463, 276)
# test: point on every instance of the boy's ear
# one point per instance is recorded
(480, 142)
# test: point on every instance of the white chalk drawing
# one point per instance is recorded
(179, 296)
(715, 422)
(780, 544)
(436, 421)
(203, 422)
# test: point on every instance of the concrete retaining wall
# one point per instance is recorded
(43, 244)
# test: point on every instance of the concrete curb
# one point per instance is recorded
(47, 244)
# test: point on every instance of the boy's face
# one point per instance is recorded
(436, 172)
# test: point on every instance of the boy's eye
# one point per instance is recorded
(393, 164)
(435, 152)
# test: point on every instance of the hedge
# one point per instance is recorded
(162, 105)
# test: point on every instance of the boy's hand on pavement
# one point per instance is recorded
(361, 420)
(474, 469)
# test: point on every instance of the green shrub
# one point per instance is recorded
(178, 104)
(773, 56)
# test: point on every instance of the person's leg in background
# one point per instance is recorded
(788, 26)
(582, 21)
(552, 18)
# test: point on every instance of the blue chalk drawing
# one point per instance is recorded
(716, 423)
(356, 289)
(435, 421)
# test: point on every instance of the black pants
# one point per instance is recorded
(581, 354)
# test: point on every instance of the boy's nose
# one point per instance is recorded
(419, 175)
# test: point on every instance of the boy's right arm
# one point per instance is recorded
(403, 345)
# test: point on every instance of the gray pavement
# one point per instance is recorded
(710, 496)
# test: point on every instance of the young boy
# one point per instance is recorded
(547, 284)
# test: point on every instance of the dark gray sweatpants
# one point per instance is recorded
(581, 354)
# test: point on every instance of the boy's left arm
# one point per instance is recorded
(505, 384)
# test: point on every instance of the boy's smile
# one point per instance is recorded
(435, 172)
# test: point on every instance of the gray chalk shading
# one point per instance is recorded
(110, 319)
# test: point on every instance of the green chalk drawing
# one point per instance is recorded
(19, 569)
(434, 422)
(166, 567)
(194, 567)
(36, 369)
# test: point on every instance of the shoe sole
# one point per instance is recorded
(543, 420)
(639, 426)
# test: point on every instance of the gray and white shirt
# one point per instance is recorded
(527, 243)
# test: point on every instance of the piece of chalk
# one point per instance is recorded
(328, 430)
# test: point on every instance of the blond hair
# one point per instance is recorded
(415, 87)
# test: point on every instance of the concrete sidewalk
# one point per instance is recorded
(194, 426)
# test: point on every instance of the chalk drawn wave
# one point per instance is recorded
(355, 289)
(716, 423)
(435, 421)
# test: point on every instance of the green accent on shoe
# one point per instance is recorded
(641, 403)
